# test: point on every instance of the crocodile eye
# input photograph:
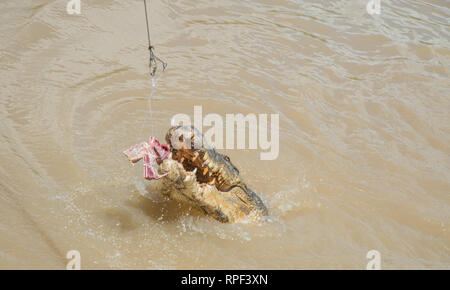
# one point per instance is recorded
(227, 158)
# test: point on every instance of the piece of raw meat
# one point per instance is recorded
(153, 153)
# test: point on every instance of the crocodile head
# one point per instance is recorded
(188, 147)
(189, 170)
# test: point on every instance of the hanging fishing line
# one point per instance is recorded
(153, 66)
(153, 63)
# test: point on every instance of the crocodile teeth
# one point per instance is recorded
(205, 157)
(210, 173)
(205, 170)
(195, 156)
(212, 182)
(194, 171)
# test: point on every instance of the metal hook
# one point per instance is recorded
(153, 64)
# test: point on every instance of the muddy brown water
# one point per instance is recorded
(363, 102)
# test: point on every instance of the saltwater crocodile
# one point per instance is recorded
(189, 170)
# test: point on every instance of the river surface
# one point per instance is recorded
(364, 132)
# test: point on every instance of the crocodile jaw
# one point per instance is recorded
(182, 185)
